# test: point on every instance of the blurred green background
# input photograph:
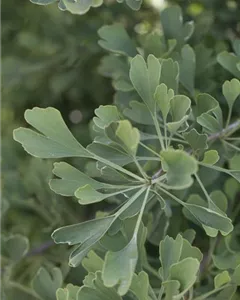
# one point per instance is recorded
(51, 58)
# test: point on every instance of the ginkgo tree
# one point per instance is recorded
(152, 152)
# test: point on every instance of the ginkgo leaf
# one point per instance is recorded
(92, 262)
(79, 7)
(123, 134)
(55, 140)
(231, 91)
(14, 246)
(86, 234)
(211, 157)
(114, 38)
(110, 153)
(68, 293)
(173, 27)
(209, 113)
(71, 180)
(170, 74)
(145, 78)
(229, 61)
(221, 279)
(163, 98)
(94, 289)
(43, 2)
(210, 218)
(169, 253)
(119, 267)
(185, 272)
(187, 66)
(179, 168)
(236, 275)
(45, 283)
(138, 113)
(180, 110)
(133, 4)
(88, 195)
(106, 115)
(140, 285)
(190, 251)
(196, 140)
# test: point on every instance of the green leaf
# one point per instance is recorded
(43, 2)
(229, 61)
(129, 135)
(126, 136)
(14, 247)
(140, 285)
(96, 290)
(138, 113)
(68, 293)
(187, 66)
(171, 288)
(117, 68)
(45, 284)
(185, 272)
(236, 275)
(209, 113)
(92, 262)
(145, 78)
(211, 157)
(114, 38)
(196, 140)
(221, 279)
(71, 180)
(180, 110)
(56, 141)
(163, 98)
(190, 251)
(170, 253)
(79, 7)
(179, 167)
(219, 198)
(88, 195)
(173, 27)
(86, 234)
(110, 153)
(106, 114)
(226, 260)
(210, 218)
(119, 267)
(133, 4)
(231, 91)
(170, 74)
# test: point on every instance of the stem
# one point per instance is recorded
(159, 133)
(229, 117)
(144, 175)
(149, 149)
(202, 297)
(141, 212)
(232, 146)
(129, 202)
(161, 291)
(117, 167)
(151, 293)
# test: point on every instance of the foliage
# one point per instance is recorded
(164, 158)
